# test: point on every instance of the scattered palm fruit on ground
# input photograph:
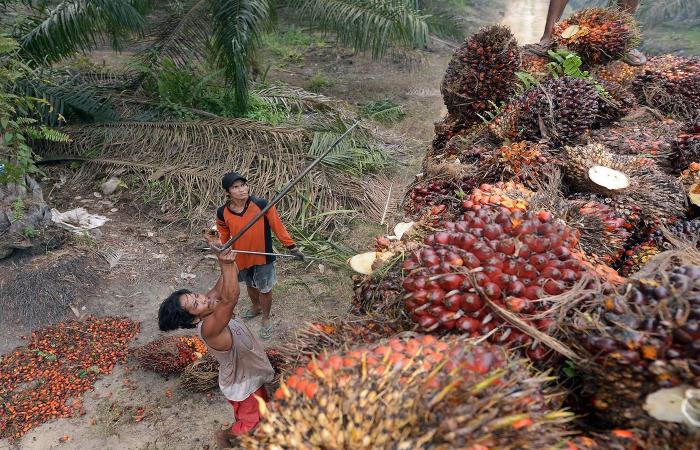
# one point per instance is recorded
(598, 35)
(671, 84)
(522, 162)
(644, 338)
(618, 72)
(413, 393)
(60, 362)
(513, 258)
(559, 111)
(633, 180)
(481, 73)
(170, 354)
(636, 257)
(614, 104)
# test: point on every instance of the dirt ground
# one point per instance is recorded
(157, 258)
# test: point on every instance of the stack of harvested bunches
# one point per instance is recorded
(568, 185)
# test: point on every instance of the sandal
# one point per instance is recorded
(266, 332)
(249, 314)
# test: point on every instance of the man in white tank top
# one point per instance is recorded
(243, 365)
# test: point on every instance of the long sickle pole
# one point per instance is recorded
(284, 191)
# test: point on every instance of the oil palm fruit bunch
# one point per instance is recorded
(413, 393)
(170, 354)
(523, 162)
(315, 338)
(666, 437)
(614, 104)
(509, 257)
(644, 338)
(509, 195)
(481, 73)
(505, 126)
(378, 293)
(690, 178)
(598, 35)
(445, 129)
(671, 84)
(684, 229)
(687, 146)
(636, 257)
(617, 72)
(560, 111)
(603, 231)
(631, 180)
(535, 65)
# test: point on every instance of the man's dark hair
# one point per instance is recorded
(172, 315)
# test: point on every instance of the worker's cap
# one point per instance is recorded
(230, 178)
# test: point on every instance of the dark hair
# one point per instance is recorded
(172, 315)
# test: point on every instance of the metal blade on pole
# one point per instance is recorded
(284, 191)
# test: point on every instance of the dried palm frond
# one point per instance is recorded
(181, 163)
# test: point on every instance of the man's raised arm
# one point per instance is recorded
(228, 292)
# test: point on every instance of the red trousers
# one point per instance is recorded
(247, 413)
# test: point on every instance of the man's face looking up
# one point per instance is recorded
(238, 190)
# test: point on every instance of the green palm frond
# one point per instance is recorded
(442, 19)
(74, 25)
(180, 38)
(367, 25)
(181, 163)
(59, 97)
(349, 156)
(238, 26)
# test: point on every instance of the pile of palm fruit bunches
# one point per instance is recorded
(543, 287)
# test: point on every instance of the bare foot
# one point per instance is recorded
(540, 48)
(222, 439)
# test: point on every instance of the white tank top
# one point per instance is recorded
(243, 368)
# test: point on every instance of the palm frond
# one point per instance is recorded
(74, 25)
(181, 164)
(367, 25)
(238, 26)
(295, 99)
(348, 156)
(442, 19)
(653, 13)
(180, 38)
(64, 94)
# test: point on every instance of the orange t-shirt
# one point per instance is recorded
(258, 238)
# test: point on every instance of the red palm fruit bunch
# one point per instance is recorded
(413, 393)
(598, 35)
(671, 84)
(636, 257)
(429, 193)
(627, 180)
(170, 354)
(560, 111)
(61, 362)
(687, 146)
(603, 231)
(523, 162)
(535, 65)
(617, 72)
(512, 258)
(684, 229)
(644, 338)
(614, 104)
(481, 73)
(509, 195)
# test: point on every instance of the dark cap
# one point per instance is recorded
(230, 178)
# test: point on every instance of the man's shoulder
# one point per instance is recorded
(220, 212)
(258, 201)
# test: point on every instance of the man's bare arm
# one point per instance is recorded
(228, 293)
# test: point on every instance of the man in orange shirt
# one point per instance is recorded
(257, 271)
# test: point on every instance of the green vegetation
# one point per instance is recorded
(291, 44)
(319, 82)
